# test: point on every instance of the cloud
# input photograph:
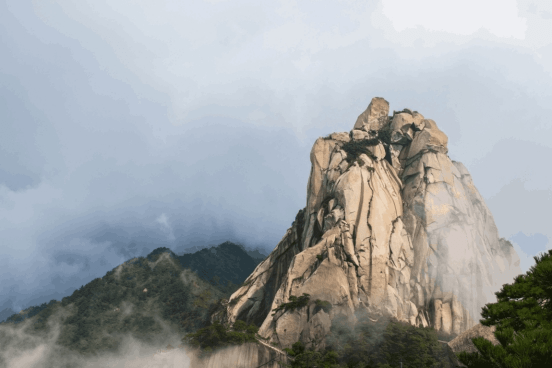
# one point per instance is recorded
(20, 349)
(119, 112)
(252, 47)
(163, 220)
(500, 17)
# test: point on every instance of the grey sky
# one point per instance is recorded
(128, 125)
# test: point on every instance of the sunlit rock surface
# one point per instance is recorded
(398, 230)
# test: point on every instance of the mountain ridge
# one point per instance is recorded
(224, 282)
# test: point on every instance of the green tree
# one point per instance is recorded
(294, 303)
(385, 343)
(217, 335)
(415, 347)
(523, 319)
(306, 358)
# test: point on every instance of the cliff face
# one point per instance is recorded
(391, 225)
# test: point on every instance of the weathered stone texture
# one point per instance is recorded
(248, 355)
(399, 230)
(375, 116)
(463, 342)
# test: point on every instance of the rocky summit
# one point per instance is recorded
(392, 226)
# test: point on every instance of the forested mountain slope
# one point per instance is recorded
(144, 297)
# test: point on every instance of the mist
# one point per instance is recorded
(21, 349)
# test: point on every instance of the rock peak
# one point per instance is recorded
(391, 226)
(403, 128)
(375, 116)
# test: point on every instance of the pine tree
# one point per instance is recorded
(523, 319)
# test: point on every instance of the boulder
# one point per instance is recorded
(401, 128)
(378, 151)
(341, 137)
(375, 116)
(359, 134)
(418, 123)
(430, 138)
(463, 342)
(320, 160)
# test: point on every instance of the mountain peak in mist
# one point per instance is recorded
(227, 261)
(392, 226)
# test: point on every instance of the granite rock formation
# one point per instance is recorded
(391, 225)
(242, 356)
(463, 342)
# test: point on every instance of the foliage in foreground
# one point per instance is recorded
(381, 344)
(217, 335)
(294, 303)
(355, 148)
(310, 358)
(523, 319)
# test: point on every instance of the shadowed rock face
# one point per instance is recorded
(391, 225)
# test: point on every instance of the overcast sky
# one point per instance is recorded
(126, 125)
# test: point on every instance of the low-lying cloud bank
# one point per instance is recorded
(21, 349)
